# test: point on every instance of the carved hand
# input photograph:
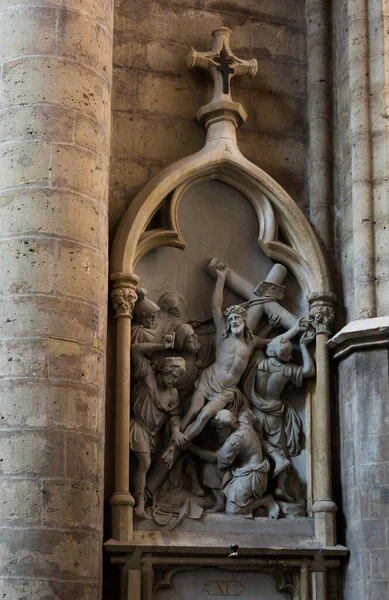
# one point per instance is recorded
(221, 270)
(178, 438)
(307, 338)
(302, 324)
(168, 455)
(274, 320)
(168, 341)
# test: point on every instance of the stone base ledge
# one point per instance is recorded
(363, 333)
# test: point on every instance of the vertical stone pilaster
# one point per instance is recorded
(361, 349)
(319, 118)
(55, 66)
(364, 443)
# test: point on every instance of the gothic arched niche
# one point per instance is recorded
(213, 425)
(214, 219)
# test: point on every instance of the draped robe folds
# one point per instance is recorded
(142, 335)
(151, 413)
(241, 485)
(263, 383)
(212, 389)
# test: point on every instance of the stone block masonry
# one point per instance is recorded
(55, 70)
(155, 97)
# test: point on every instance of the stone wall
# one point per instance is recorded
(361, 147)
(155, 96)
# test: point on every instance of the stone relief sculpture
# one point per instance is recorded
(264, 381)
(240, 480)
(145, 327)
(217, 431)
(155, 404)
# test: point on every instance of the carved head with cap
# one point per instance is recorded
(280, 348)
(186, 338)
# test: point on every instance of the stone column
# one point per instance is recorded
(361, 347)
(55, 68)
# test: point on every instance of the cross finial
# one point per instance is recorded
(223, 65)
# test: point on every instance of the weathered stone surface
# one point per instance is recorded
(151, 84)
(20, 502)
(99, 10)
(42, 590)
(28, 264)
(25, 358)
(82, 272)
(54, 131)
(79, 170)
(50, 554)
(58, 405)
(49, 211)
(38, 452)
(22, 164)
(364, 455)
(85, 41)
(70, 360)
(83, 458)
(71, 505)
(21, 32)
(45, 315)
(37, 122)
(89, 92)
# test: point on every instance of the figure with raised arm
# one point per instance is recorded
(264, 381)
(216, 388)
(155, 404)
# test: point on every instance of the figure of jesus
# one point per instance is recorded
(216, 388)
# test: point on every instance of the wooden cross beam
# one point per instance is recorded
(259, 295)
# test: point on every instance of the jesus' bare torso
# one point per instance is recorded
(216, 388)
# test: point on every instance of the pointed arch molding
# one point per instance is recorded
(221, 159)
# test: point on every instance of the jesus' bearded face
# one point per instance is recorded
(236, 323)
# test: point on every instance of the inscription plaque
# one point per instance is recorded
(207, 583)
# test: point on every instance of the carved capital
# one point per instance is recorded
(123, 295)
(123, 301)
(321, 311)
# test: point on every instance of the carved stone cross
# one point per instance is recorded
(222, 63)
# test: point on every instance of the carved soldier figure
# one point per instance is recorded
(244, 467)
(155, 403)
(264, 381)
(145, 326)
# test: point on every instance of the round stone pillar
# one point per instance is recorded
(55, 69)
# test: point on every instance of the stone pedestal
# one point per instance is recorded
(54, 155)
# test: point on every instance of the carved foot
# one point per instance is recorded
(139, 508)
(197, 490)
(282, 494)
(217, 508)
(272, 506)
